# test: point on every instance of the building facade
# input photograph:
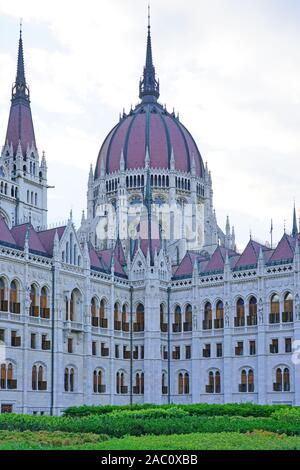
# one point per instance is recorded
(148, 301)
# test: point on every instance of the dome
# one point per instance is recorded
(150, 126)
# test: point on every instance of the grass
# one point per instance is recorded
(258, 440)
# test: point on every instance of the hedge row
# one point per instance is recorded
(120, 425)
(203, 409)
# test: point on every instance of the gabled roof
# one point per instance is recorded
(217, 261)
(6, 237)
(250, 255)
(47, 238)
(187, 264)
(284, 250)
(35, 245)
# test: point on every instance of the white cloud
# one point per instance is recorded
(231, 68)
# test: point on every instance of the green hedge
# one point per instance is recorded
(118, 425)
(203, 409)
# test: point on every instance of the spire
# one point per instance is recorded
(149, 86)
(148, 203)
(20, 89)
(295, 226)
(20, 128)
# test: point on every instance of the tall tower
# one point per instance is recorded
(23, 177)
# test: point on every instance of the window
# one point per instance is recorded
(239, 350)
(44, 309)
(164, 384)
(33, 341)
(282, 380)
(34, 309)
(206, 351)
(207, 322)
(183, 383)
(176, 353)
(177, 320)
(138, 388)
(287, 315)
(288, 345)
(219, 350)
(247, 381)
(274, 346)
(38, 378)
(94, 348)
(14, 305)
(274, 309)
(2, 336)
(214, 382)
(188, 324)
(6, 408)
(142, 352)
(98, 386)
(138, 325)
(252, 348)
(70, 345)
(69, 379)
(240, 313)
(188, 352)
(7, 380)
(46, 344)
(163, 323)
(15, 340)
(121, 388)
(219, 321)
(117, 351)
(252, 318)
(3, 299)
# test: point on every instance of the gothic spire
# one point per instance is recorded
(295, 225)
(20, 88)
(149, 86)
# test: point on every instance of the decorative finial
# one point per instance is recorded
(21, 26)
(149, 16)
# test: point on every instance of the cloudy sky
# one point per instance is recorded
(230, 67)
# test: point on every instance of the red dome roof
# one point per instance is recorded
(149, 125)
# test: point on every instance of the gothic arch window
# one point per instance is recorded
(183, 383)
(139, 325)
(207, 321)
(247, 381)
(121, 388)
(252, 318)
(139, 383)
(7, 381)
(219, 321)
(188, 325)
(14, 304)
(75, 306)
(38, 377)
(3, 294)
(282, 380)
(288, 307)
(275, 309)
(177, 325)
(214, 382)
(34, 307)
(103, 317)
(69, 379)
(98, 385)
(164, 383)
(44, 303)
(240, 313)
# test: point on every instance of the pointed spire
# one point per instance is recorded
(295, 226)
(20, 88)
(122, 161)
(149, 86)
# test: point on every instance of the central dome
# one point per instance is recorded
(150, 126)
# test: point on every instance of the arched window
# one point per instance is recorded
(139, 384)
(3, 376)
(247, 381)
(44, 309)
(34, 309)
(98, 385)
(240, 313)
(177, 325)
(75, 306)
(103, 319)
(186, 383)
(14, 305)
(214, 382)
(286, 380)
(207, 322)
(125, 324)
(120, 383)
(275, 309)
(219, 321)
(140, 320)
(117, 321)
(7, 377)
(163, 322)
(95, 319)
(252, 318)
(164, 384)
(69, 379)
(3, 300)
(287, 315)
(38, 378)
(188, 325)
(180, 383)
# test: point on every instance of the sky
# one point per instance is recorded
(231, 68)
